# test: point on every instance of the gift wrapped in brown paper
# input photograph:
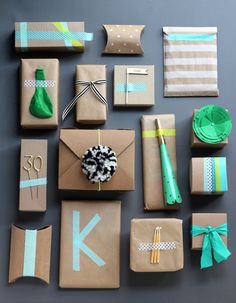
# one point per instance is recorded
(51, 36)
(96, 160)
(90, 251)
(33, 175)
(30, 253)
(43, 114)
(152, 172)
(91, 93)
(156, 245)
(134, 85)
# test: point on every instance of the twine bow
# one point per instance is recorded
(212, 244)
(89, 85)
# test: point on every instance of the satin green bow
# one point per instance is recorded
(212, 243)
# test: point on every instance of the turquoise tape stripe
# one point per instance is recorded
(23, 35)
(213, 175)
(81, 36)
(33, 182)
(67, 42)
(131, 87)
(30, 253)
(205, 169)
(223, 175)
(191, 37)
(78, 243)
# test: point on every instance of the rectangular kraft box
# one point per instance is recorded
(90, 251)
(171, 245)
(30, 253)
(208, 175)
(204, 220)
(33, 175)
(75, 142)
(152, 174)
(197, 143)
(141, 88)
(51, 71)
(89, 109)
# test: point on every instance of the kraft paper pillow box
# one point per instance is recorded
(152, 174)
(33, 175)
(29, 84)
(208, 176)
(51, 36)
(90, 251)
(73, 145)
(134, 85)
(169, 246)
(30, 253)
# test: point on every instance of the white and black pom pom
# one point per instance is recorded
(99, 163)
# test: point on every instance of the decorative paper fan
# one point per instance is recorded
(212, 124)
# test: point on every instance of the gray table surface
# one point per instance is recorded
(189, 285)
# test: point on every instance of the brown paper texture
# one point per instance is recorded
(135, 98)
(33, 198)
(43, 253)
(142, 231)
(206, 219)
(89, 109)
(51, 70)
(152, 175)
(49, 45)
(123, 39)
(103, 241)
(74, 143)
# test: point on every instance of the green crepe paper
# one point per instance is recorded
(212, 243)
(212, 124)
(170, 187)
(41, 103)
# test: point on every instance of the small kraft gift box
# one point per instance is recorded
(51, 36)
(39, 93)
(156, 245)
(30, 253)
(90, 244)
(208, 176)
(209, 234)
(33, 175)
(91, 95)
(99, 160)
(134, 85)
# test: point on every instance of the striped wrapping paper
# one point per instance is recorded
(190, 61)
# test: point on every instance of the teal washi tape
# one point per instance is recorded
(30, 253)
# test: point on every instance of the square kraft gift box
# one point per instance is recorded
(37, 112)
(51, 36)
(79, 153)
(156, 245)
(134, 85)
(33, 175)
(90, 251)
(30, 253)
(190, 61)
(208, 176)
(152, 173)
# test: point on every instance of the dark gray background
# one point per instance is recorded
(189, 285)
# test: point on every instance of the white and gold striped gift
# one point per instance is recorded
(190, 61)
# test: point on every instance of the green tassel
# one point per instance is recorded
(41, 103)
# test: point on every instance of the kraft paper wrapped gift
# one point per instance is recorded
(73, 145)
(208, 176)
(28, 88)
(30, 253)
(90, 251)
(190, 61)
(123, 39)
(33, 175)
(51, 36)
(162, 254)
(152, 174)
(134, 85)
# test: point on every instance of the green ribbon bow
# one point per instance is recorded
(212, 243)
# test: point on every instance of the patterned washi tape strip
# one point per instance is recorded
(39, 83)
(161, 246)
